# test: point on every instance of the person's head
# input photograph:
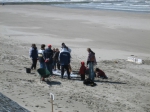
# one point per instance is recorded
(49, 46)
(54, 49)
(57, 49)
(43, 46)
(63, 45)
(82, 63)
(89, 50)
(97, 69)
(33, 45)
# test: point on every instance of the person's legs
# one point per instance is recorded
(35, 62)
(42, 65)
(47, 66)
(62, 71)
(68, 72)
(82, 76)
(58, 66)
(91, 71)
(32, 64)
(89, 66)
(51, 68)
(54, 65)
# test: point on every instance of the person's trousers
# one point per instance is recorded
(49, 67)
(62, 70)
(91, 71)
(34, 62)
(58, 65)
(54, 64)
(42, 65)
(82, 76)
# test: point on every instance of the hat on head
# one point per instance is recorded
(49, 45)
(82, 63)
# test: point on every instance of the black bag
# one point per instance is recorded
(89, 82)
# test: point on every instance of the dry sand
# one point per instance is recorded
(113, 36)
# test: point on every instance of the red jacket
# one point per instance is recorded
(82, 69)
(101, 74)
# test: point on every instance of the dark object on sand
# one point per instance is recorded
(44, 73)
(89, 82)
(28, 70)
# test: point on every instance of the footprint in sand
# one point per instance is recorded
(37, 106)
(42, 107)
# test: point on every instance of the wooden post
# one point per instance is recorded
(52, 99)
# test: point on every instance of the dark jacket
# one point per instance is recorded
(33, 53)
(101, 74)
(64, 58)
(48, 54)
(56, 56)
(91, 58)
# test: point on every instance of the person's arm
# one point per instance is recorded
(69, 50)
(44, 55)
(59, 56)
(87, 63)
(69, 58)
(30, 52)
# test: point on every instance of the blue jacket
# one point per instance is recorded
(33, 53)
(64, 58)
(48, 54)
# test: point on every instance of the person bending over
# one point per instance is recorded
(99, 73)
(33, 55)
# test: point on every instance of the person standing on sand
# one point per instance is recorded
(91, 61)
(64, 57)
(33, 55)
(82, 71)
(68, 50)
(48, 56)
(56, 59)
(41, 56)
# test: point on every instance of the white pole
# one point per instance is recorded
(52, 98)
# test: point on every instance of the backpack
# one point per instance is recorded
(89, 82)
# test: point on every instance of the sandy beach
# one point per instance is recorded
(112, 35)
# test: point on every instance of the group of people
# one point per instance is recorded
(52, 59)
(91, 61)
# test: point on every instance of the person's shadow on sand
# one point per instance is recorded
(112, 82)
(53, 82)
